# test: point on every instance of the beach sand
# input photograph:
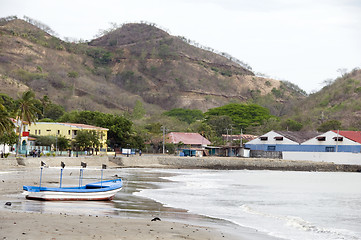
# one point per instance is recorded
(27, 219)
(23, 225)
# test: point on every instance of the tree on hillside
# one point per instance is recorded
(242, 115)
(219, 124)
(185, 115)
(54, 111)
(26, 112)
(138, 111)
(329, 125)
(291, 125)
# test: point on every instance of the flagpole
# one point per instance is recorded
(61, 172)
(41, 174)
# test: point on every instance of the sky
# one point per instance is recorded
(305, 42)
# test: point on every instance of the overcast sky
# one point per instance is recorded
(301, 41)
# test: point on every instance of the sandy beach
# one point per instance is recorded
(27, 219)
(20, 225)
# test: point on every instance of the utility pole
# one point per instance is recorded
(163, 129)
(241, 142)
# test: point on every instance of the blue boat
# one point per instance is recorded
(103, 190)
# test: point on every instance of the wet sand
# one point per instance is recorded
(126, 217)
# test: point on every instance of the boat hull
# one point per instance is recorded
(100, 191)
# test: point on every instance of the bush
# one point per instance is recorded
(48, 154)
(53, 154)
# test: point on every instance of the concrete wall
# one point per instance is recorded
(229, 163)
(331, 157)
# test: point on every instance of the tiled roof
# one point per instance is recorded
(84, 126)
(187, 138)
(352, 135)
(247, 137)
(299, 136)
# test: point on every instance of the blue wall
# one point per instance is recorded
(304, 148)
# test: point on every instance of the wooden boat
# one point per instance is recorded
(103, 190)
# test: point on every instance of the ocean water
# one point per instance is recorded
(287, 205)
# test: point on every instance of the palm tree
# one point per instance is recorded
(45, 101)
(6, 125)
(27, 112)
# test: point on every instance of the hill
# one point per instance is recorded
(340, 100)
(133, 62)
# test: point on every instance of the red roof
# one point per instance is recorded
(187, 138)
(352, 135)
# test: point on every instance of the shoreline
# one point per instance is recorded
(170, 161)
(28, 219)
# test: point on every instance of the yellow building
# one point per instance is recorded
(68, 130)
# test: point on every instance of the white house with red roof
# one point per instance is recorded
(334, 141)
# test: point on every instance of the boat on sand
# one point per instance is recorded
(103, 190)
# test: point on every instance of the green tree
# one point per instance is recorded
(219, 124)
(8, 138)
(54, 111)
(73, 74)
(45, 101)
(6, 125)
(242, 115)
(138, 111)
(45, 140)
(329, 125)
(291, 125)
(8, 103)
(87, 139)
(26, 112)
(185, 115)
(63, 143)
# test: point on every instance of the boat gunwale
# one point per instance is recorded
(102, 186)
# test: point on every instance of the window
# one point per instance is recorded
(39, 132)
(36, 132)
(338, 139)
(278, 138)
(68, 132)
(330, 149)
(58, 132)
(321, 138)
(263, 138)
(48, 130)
(271, 148)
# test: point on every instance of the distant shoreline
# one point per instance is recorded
(169, 161)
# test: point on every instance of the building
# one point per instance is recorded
(192, 144)
(334, 141)
(280, 141)
(187, 138)
(24, 140)
(67, 130)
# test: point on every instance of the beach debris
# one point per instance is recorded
(8, 204)
(155, 219)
